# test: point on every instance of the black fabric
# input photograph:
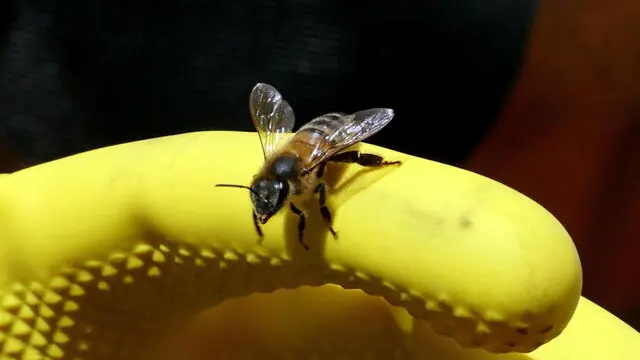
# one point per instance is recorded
(76, 75)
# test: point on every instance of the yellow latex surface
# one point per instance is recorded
(108, 255)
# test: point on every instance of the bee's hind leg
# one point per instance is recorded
(321, 189)
(302, 222)
(362, 159)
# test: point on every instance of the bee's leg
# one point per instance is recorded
(363, 159)
(302, 223)
(257, 224)
(321, 189)
(320, 171)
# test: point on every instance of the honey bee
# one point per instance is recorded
(296, 166)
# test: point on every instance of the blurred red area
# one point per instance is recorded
(569, 138)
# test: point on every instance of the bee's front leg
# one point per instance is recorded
(302, 222)
(321, 189)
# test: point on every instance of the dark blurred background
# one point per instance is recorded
(543, 97)
(76, 75)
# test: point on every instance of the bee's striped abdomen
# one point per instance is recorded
(314, 142)
(318, 129)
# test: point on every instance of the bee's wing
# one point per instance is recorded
(339, 131)
(272, 117)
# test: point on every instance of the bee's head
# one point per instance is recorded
(267, 197)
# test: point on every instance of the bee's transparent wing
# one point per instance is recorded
(272, 117)
(339, 131)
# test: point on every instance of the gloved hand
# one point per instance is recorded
(111, 254)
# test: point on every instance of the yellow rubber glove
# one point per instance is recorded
(111, 253)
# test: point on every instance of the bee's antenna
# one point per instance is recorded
(242, 187)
